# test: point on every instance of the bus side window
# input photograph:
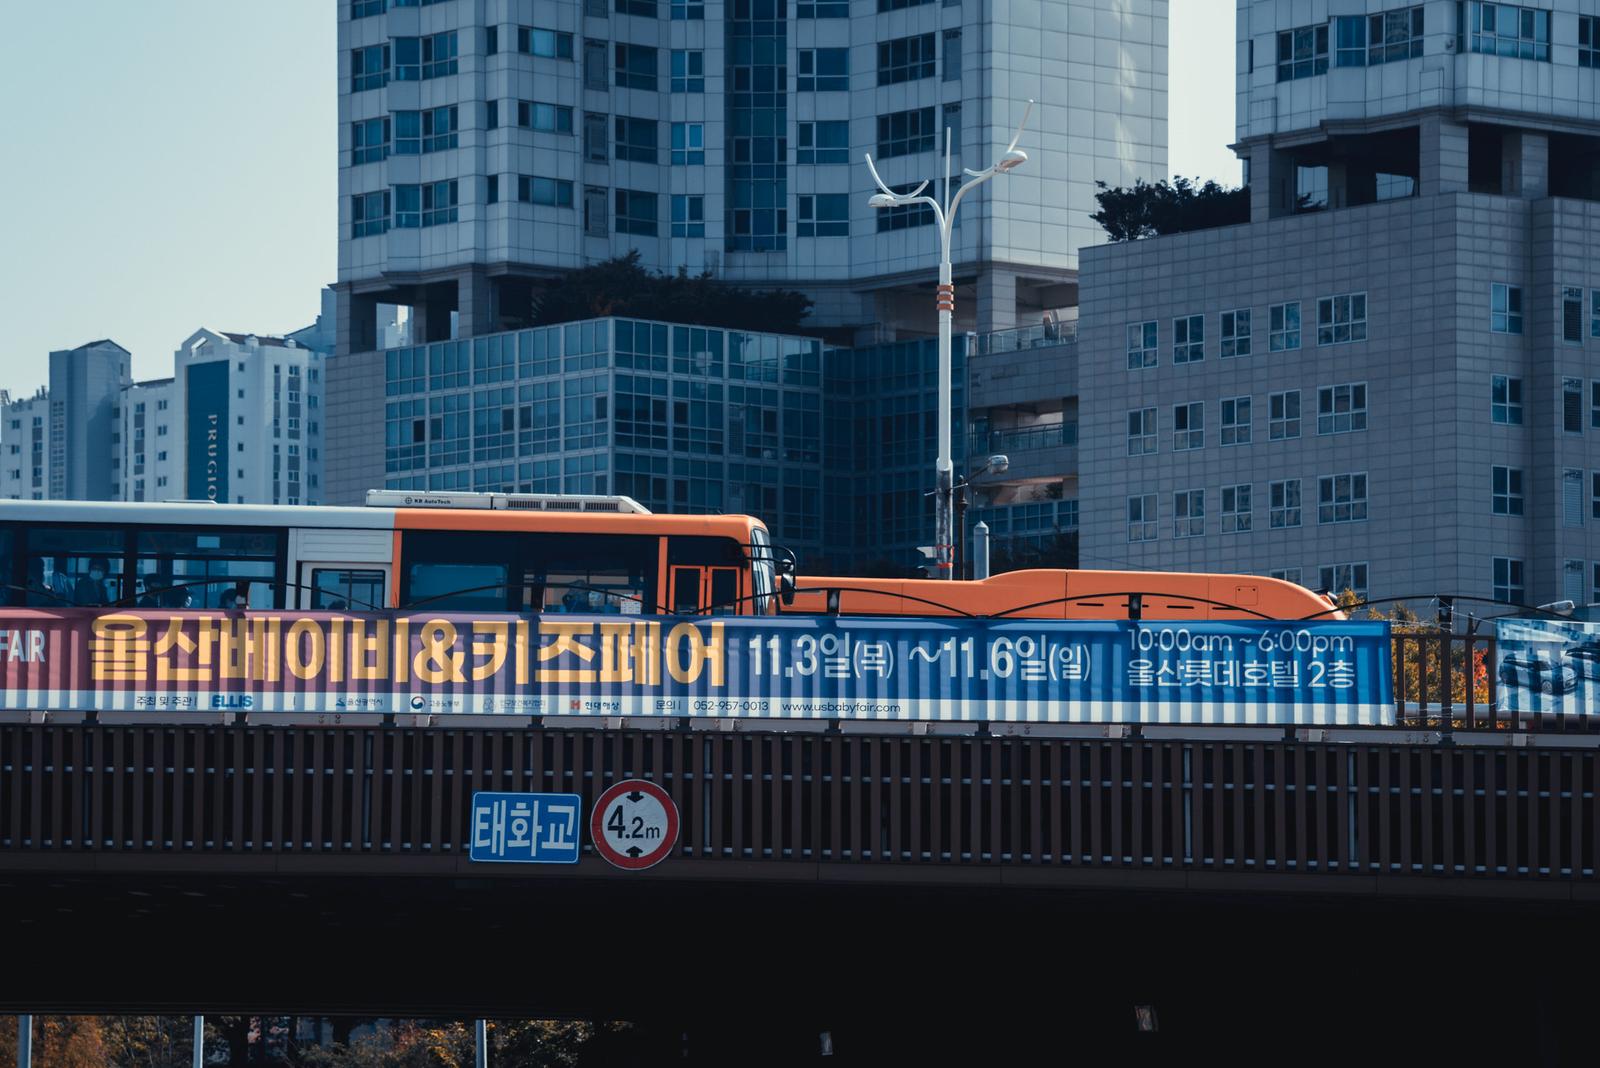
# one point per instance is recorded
(337, 589)
(457, 571)
(205, 567)
(74, 567)
(9, 592)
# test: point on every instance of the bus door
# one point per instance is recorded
(342, 570)
(699, 590)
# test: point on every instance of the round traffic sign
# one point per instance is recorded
(634, 824)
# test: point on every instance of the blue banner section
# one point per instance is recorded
(1547, 666)
(207, 422)
(526, 828)
(1050, 672)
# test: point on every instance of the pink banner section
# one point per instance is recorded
(94, 659)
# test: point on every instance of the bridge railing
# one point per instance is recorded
(394, 801)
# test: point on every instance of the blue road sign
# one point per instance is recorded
(527, 828)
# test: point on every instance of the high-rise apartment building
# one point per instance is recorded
(25, 446)
(1385, 380)
(82, 426)
(486, 144)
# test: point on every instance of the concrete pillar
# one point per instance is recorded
(356, 327)
(1525, 164)
(478, 304)
(997, 300)
(1271, 183)
(1442, 157)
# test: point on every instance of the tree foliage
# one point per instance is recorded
(622, 287)
(1421, 665)
(1179, 206)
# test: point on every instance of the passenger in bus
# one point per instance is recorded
(573, 601)
(91, 589)
(233, 602)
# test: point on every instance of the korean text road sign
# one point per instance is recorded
(634, 824)
(527, 828)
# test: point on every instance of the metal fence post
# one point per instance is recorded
(481, 1044)
(980, 550)
(199, 1042)
(25, 1041)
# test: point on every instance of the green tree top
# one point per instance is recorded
(622, 287)
(1174, 207)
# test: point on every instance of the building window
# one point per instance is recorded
(491, 40)
(685, 10)
(688, 215)
(1142, 518)
(824, 215)
(491, 114)
(1236, 420)
(369, 214)
(1142, 439)
(636, 140)
(1572, 405)
(1588, 41)
(1572, 315)
(550, 192)
(1283, 327)
(688, 71)
(595, 73)
(1395, 35)
(901, 133)
(369, 68)
(823, 70)
(1236, 509)
(636, 212)
(822, 142)
(1507, 30)
(906, 59)
(822, 9)
(952, 55)
(1339, 578)
(1508, 584)
(1594, 495)
(1189, 339)
(369, 141)
(548, 118)
(896, 5)
(1188, 426)
(1594, 405)
(1236, 332)
(439, 129)
(688, 144)
(645, 9)
(594, 212)
(595, 145)
(1303, 53)
(952, 125)
(360, 9)
(1505, 400)
(636, 67)
(491, 189)
(1143, 342)
(1342, 409)
(424, 57)
(905, 216)
(1507, 496)
(1349, 41)
(1505, 309)
(1287, 574)
(1283, 503)
(1310, 188)
(1341, 319)
(424, 205)
(532, 41)
(1188, 513)
(1283, 415)
(1342, 498)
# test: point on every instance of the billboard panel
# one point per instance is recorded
(1010, 671)
(1547, 666)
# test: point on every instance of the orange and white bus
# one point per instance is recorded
(529, 553)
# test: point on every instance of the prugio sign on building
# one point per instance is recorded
(207, 417)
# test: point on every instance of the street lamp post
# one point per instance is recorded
(944, 214)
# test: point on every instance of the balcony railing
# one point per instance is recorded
(1021, 438)
(1025, 337)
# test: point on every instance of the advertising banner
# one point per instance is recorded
(1548, 666)
(810, 667)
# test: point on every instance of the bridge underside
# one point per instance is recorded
(978, 970)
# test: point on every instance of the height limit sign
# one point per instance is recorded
(634, 824)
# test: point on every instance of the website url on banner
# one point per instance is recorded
(844, 708)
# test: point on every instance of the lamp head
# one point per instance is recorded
(1011, 160)
(881, 200)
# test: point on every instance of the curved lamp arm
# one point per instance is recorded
(890, 192)
(992, 169)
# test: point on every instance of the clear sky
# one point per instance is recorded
(181, 169)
